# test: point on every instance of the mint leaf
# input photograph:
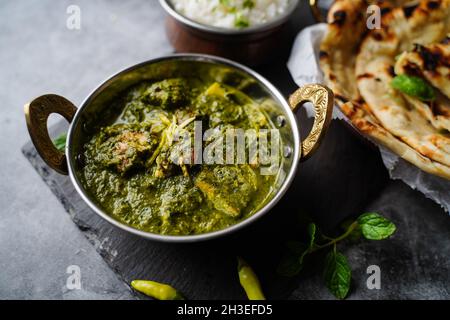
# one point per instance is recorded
(292, 262)
(295, 247)
(312, 229)
(414, 86)
(375, 227)
(337, 274)
(60, 142)
(289, 266)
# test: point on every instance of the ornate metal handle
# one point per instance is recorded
(316, 11)
(322, 99)
(36, 114)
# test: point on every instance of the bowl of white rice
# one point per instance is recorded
(231, 16)
(248, 31)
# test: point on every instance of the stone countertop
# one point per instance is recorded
(39, 54)
(39, 241)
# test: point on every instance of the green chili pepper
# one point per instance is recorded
(156, 290)
(249, 281)
(414, 86)
(60, 142)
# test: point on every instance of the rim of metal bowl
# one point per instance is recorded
(197, 237)
(168, 7)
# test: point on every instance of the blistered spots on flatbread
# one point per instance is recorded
(339, 17)
(432, 57)
(409, 10)
(427, 152)
(349, 110)
(364, 125)
(323, 54)
(340, 98)
(440, 142)
(365, 76)
(437, 109)
(385, 10)
(378, 36)
(391, 71)
(433, 4)
(359, 101)
(412, 69)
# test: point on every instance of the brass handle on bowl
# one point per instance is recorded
(322, 98)
(316, 11)
(36, 114)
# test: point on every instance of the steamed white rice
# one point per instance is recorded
(231, 14)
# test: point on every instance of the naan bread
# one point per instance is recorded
(359, 65)
(346, 28)
(375, 71)
(365, 122)
(430, 62)
(346, 25)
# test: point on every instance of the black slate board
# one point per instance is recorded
(345, 178)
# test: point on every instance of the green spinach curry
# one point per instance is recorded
(128, 170)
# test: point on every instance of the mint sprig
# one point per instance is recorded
(337, 272)
(375, 227)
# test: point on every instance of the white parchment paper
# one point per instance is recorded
(304, 67)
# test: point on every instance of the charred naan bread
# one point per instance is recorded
(431, 62)
(365, 122)
(375, 72)
(359, 66)
(346, 28)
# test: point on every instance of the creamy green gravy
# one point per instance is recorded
(129, 173)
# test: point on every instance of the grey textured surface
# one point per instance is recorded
(38, 239)
(40, 55)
